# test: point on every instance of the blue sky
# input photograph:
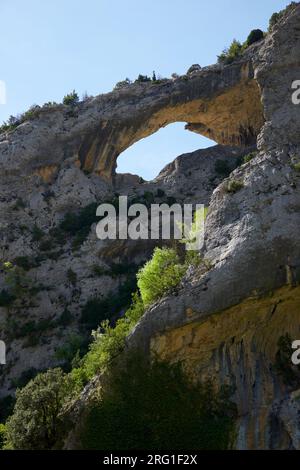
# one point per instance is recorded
(50, 47)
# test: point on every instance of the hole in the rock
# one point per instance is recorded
(148, 156)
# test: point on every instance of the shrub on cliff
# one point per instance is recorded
(156, 407)
(230, 54)
(97, 310)
(2, 435)
(108, 342)
(254, 36)
(143, 78)
(35, 423)
(278, 15)
(233, 186)
(15, 121)
(6, 299)
(163, 272)
(71, 99)
(122, 84)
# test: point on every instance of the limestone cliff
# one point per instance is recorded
(224, 323)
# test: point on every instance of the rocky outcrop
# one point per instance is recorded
(222, 103)
(252, 244)
(31, 326)
(224, 323)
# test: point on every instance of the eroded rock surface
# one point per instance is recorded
(224, 323)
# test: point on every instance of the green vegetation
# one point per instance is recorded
(37, 234)
(296, 167)
(46, 245)
(79, 224)
(233, 52)
(35, 423)
(16, 280)
(233, 186)
(123, 84)
(254, 36)
(163, 272)
(6, 407)
(72, 277)
(71, 99)
(222, 167)
(73, 344)
(2, 435)
(247, 158)
(65, 318)
(278, 15)
(236, 48)
(25, 262)
(32, 330)
(284, 367)
(19, 204)
(115, 269)
(108, 343)
(160, 193)
(15, 121)
(97, 310)
(6, 299)
(25, 377)
(143, 78)
(156, 407)
(140, 79)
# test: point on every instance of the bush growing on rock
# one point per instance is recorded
(156, 407)
(6, 299)
(35, 423)
(232, 53)
(37, 234)
(254, 36)
(122, 84)
(278, 15)
(25, 262)
(143, 78)
(163, 272)
(296, 167)
(108, 342)
(222, 167)
(247, 158)
(71, 99)
(233, 186)
(98, 309)
(2, 435)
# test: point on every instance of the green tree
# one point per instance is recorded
(2, 435)
(35, 422)
(230, 54)
(254, 36)
(156, 407)
(71, 99)
(163, 272)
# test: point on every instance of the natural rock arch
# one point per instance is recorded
(222, 104)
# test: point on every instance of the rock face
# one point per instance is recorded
(253, 246)
(225, 323)
(222, 103)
